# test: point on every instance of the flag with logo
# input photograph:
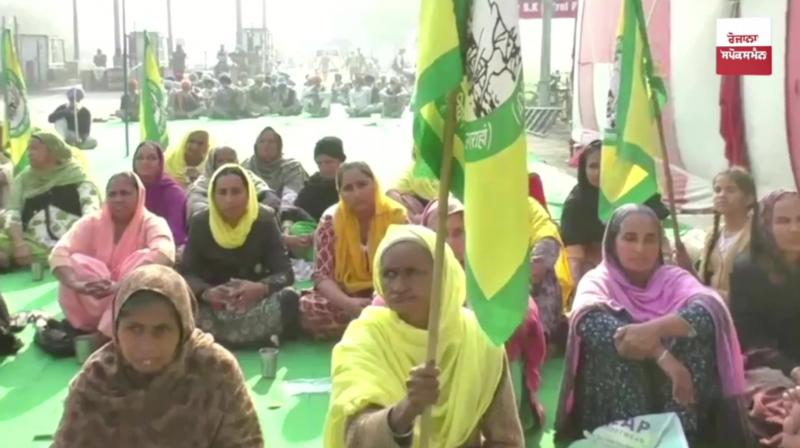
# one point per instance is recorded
(631, 143)
(153, 100)
(17, 127)
(474, 46)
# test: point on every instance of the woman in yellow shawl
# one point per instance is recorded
(345, 242)
(415, 189)
(551, 281)
(380, 382)
(185, 162)
(237, 266)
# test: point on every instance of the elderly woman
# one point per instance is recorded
(222, 155)
(164, 196)
(158, 376)
(237, 265)
(381, 383)
(345, 241)
(46, 199)
(645, 338)
(91, 259)
(285, 176)
(765, 303)
(185, 162)
(527, 348)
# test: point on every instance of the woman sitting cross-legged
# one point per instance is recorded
(345, 243)
(237, 265)
(165, 197)
(381, 383)
(221, 155)
(46, 199)
(647, 338)
(100, 249)
(160, 381)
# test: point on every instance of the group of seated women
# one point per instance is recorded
(643, 335)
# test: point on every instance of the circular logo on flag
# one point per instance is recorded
(16, 107)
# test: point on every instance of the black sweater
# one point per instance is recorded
(766, 315)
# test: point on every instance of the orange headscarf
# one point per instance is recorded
(353, 265)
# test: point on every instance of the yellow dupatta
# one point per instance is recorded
(544, 227)
(352, 266)
(426, 187)
(175, 159)
(370, 365)
(223, 233)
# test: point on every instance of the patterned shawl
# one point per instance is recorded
(110, 404)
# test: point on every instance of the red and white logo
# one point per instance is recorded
(744, 46)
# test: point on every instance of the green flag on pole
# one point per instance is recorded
(631, 143)
(153, 102)
(474, 46)
(17, 127)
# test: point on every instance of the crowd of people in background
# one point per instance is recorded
(204, 250)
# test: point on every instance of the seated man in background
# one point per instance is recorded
(228, 101)
(394, 98)
(129, 103)
(73, 121)
(316, 101)
(285, 101)
(185, 103)
(361, 101)
(258, 96)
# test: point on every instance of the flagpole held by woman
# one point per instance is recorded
(445, 177)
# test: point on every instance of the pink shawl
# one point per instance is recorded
(93, 235)
(670, 288)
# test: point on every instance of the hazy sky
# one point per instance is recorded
(297, 25)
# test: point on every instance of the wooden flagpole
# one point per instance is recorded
(434, 316)
(667, 173)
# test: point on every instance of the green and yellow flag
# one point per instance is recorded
(17, 126)
(474, 46)
(631, 142)
(153, 101)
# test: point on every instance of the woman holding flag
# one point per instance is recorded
(380, 382)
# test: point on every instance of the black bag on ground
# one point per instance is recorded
(57, 337)
(9, 344)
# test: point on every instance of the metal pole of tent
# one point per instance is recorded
(169, 31)
(239, 23)
(544, 69)
(117, 44)
(264, 45)
(125, 75)
(76, 50)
